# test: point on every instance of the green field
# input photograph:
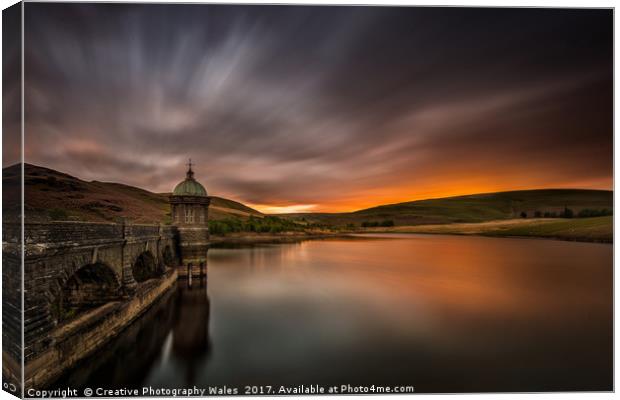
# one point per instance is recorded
(598, 229)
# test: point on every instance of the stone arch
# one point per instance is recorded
(145, 267)
(89, 286)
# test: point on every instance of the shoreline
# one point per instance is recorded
(266, 238)
(489, 235)
(585, 230)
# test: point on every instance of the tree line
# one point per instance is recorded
(569, 213)
(253, 224)
(373, 224)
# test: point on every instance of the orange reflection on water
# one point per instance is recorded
(447, 277)
(503, 309)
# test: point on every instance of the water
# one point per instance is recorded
(441, 313)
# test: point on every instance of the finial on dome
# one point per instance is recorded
(190, 186)
(190, 173)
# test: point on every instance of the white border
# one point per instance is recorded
(476, 3)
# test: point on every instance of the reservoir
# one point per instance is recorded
(440, 313)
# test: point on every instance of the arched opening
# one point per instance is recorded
(145, 267)
(90, 286)
(168, 257)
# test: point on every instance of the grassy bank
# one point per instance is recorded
(598, 229)
(281, 237)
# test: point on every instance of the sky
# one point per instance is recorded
(321, 109)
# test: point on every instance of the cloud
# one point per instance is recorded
(335, 107)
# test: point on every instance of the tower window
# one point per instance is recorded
(189, 216)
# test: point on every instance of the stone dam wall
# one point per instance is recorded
(68, 260)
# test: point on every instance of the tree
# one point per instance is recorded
(523, 214)
(537, 214)
(369, 224)
(588, 213)
(567, 213)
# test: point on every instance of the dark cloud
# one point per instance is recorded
(288, 105)
(11, 84)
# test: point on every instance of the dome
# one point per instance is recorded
(190, 186)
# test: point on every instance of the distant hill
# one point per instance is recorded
(53, 195)
(472, 208)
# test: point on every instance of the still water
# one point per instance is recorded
(441, 313)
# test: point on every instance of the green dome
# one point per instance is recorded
(190, 186)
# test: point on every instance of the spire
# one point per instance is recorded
(190, 173)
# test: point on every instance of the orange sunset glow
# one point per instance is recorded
(334, 110)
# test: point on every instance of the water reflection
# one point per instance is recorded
(191, 342)
(127, 360)
(167, 344)
(445, 314)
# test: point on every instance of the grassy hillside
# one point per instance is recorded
(473, 208)
(52, 195)
(222, 208)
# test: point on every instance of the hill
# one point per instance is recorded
(53, 195)
(472, 208)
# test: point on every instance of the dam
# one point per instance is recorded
(85, 282)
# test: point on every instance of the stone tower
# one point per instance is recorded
(190, 210)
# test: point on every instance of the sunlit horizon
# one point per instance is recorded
(314, 208)
(368, 199)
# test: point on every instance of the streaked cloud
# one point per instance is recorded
(321, 108)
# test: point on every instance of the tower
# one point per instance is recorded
(190, 210)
